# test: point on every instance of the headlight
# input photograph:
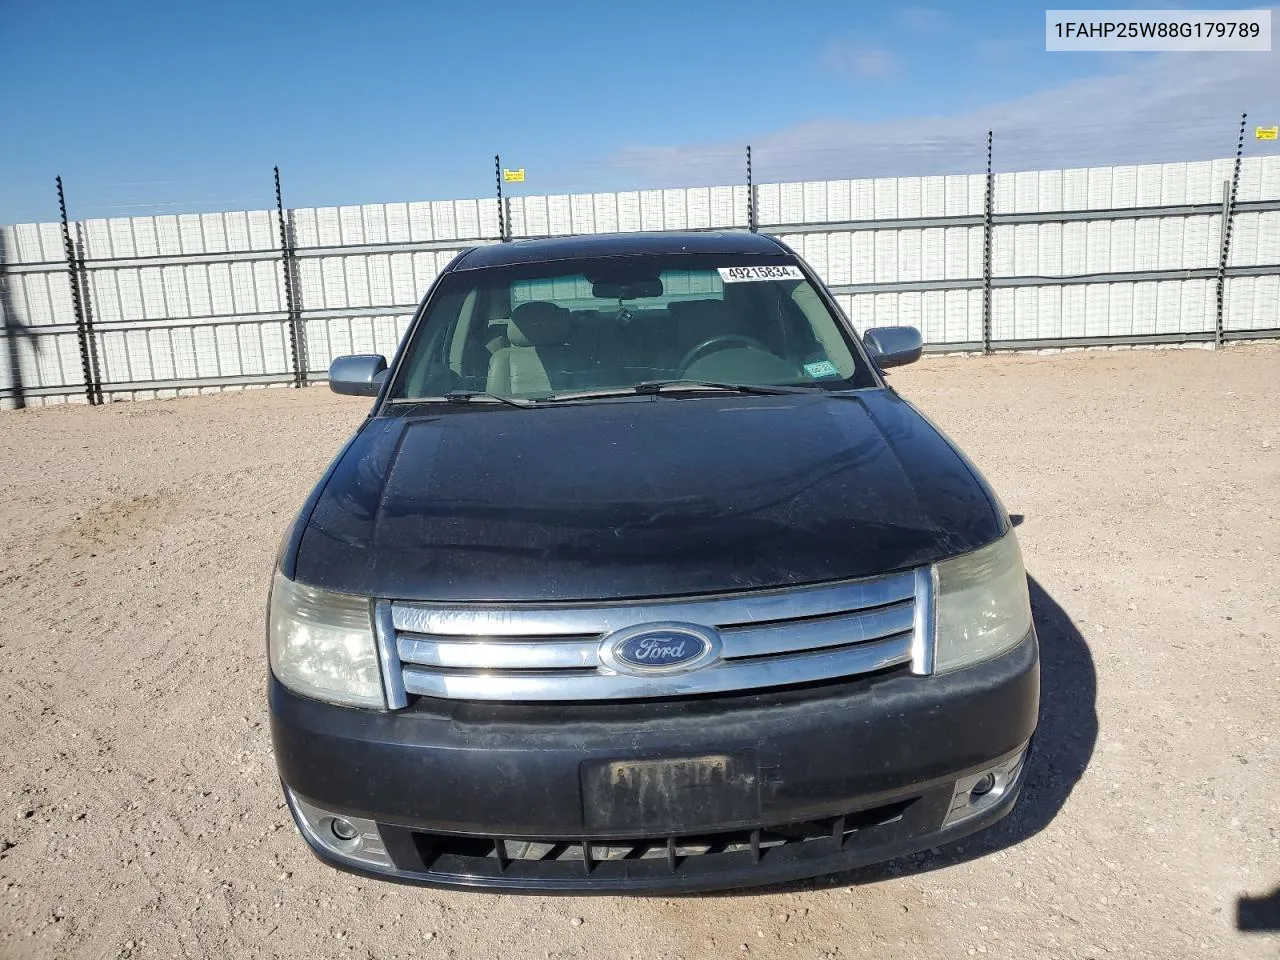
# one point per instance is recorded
(322, 644)
(982, 605)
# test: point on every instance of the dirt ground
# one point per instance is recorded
(141, 816)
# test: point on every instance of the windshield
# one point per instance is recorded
(536, 331)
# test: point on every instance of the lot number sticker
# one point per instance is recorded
(741, 274)
(821, 368)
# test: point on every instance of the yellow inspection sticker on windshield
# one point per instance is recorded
(740, 274)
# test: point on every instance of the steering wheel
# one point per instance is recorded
(714, 344)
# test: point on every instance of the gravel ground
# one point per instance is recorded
(141, 816)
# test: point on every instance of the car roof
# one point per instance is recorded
(619, 245)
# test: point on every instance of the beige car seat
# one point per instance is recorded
(535, 359)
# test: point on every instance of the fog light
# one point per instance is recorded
(353, 839)
(981, 791)
(345, 830)
(986, 783)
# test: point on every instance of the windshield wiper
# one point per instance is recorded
(462, 396)
(656, 386)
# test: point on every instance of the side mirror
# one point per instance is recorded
(894, 346)
(360, 375)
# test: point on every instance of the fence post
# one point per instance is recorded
(92, 392)
(752, 223)
(503, 235)
(1229, 188)
(986, 252)
(288, 263)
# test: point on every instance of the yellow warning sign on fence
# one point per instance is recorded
(1266, 133)
(513, 176)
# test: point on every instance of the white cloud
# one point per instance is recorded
(1170, 107)
(922, 19)
(860, 62)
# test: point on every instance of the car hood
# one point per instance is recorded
(669, 495)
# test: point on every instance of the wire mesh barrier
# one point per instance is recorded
(128, 307)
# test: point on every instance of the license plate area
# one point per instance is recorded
(667, 795)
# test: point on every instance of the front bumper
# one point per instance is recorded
(576, 798)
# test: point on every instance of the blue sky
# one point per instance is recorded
(159, 107)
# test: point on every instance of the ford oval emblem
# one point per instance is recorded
(660, 648)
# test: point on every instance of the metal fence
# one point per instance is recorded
(97, 310)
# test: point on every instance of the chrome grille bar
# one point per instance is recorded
(553, 651)
(724, 677)
(838, 631)
(500, 654)
(739, 642)
(583, 619)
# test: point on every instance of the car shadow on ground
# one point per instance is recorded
(1259, 914)
(1064, 744)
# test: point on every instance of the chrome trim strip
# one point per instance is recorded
(725, 677)
(499, 654)
(579, 619)
(923, 639)
(384, 632)
(793, 637)
(776, 639)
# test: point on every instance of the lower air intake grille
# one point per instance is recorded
(637, 860)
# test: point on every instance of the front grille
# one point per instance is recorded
(552, 652)
(637, 860)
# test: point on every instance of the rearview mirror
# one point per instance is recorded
(633, 289)
(894, 346)
(360, 375)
